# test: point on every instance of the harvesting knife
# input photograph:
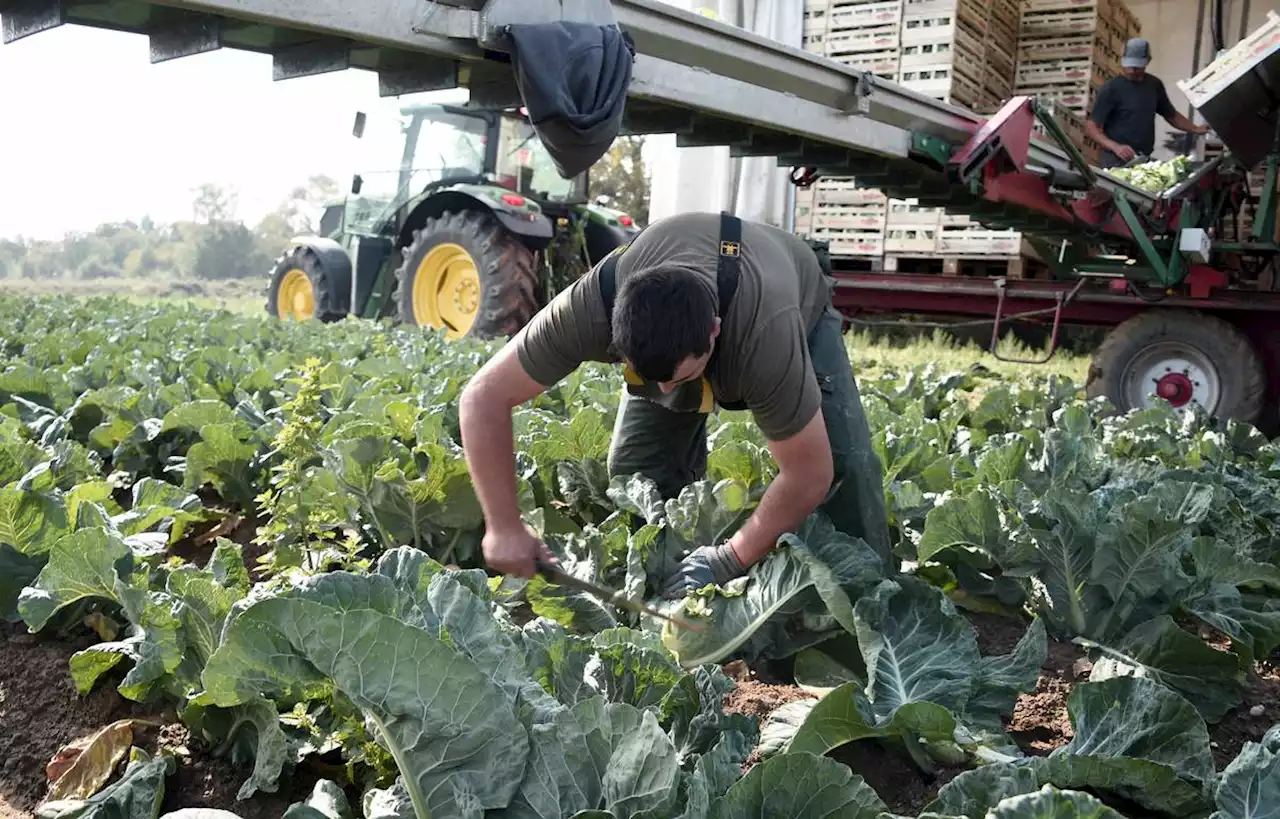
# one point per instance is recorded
(562, 578)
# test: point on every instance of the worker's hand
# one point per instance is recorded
(514, 552)
(705, 564)
(1201, 129)
(1124, 152)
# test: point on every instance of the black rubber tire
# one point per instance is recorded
(507, 270)
(323, 285)
(1240, 371)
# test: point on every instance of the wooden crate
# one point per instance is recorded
(1072, 97)
(908, 213)
(1070, 121)
(852, 242)
(865, 217)
(881, 63)
(861, 40)
(1070, 47)
(864, 15)
(968, 243)
(815, 21)
(1105, 9)
(941, 82)
(1126, 21)
(912, 240)
(997, 86)
(955, 221)
(1000, 58)
(1004, 15)
(973, 12)
(1063, 23)
(940, 41)
(1081, 72)
(844, 191)
(1226, 69)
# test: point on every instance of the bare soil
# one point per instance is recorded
(759, 699)
(40, 713)
(235, 524)
(1262, 689)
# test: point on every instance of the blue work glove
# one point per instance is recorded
(705, 564)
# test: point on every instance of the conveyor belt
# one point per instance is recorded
(708, 82)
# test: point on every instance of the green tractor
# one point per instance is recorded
(472, 231)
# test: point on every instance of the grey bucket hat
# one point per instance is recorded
(1137, 53)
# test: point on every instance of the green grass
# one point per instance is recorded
(946, 353)
(241, 296)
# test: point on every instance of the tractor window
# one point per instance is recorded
(525, 167)
(401, 155)
(448, 145)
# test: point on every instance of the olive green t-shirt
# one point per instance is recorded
(762, 359)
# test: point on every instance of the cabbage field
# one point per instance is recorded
(240, 576)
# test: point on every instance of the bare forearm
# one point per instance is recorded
(1095, 133)
(790, 499)
(1183, 124)
(489, 446)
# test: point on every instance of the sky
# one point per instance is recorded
(92, 132)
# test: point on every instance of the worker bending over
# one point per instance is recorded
(701, 309)
(1123, 120)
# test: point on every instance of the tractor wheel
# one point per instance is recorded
(1182, 357)
(302, 289)
(466, 273)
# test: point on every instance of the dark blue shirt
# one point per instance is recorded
(1126, 111)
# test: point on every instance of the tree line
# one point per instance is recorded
(214, 244)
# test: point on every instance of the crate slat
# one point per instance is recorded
(959, 49)
(864, 15)
(964, 242)
(1081, 72)
(862, 40)
(940, 82)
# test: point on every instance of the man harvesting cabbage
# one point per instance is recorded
(701, 310)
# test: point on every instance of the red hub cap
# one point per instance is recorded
(1175, 388)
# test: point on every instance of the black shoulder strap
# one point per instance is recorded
(726, 267)
(730, 253)
(608, 278)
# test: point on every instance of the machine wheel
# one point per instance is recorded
(465, 273)
(1183, 357)
(302, 289)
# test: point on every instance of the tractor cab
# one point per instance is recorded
(457, 219)
(430, 148)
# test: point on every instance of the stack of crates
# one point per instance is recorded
(1243, 223)
(850, 218)
(1067, 50)
(963, 52)
(865, 36)
(1001, 55)
(942, 49)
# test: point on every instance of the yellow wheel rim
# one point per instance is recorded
(446, 290)
(296, 299)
